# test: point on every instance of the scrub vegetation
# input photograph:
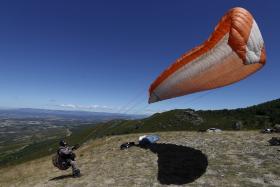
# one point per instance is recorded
(265, 115)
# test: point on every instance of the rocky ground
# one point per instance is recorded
(179, 158)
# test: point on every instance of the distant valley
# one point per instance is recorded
(20, 128)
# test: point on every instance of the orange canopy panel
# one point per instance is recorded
(234, 51)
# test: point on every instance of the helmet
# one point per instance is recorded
(62, 143)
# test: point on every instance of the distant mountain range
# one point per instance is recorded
(23, 113)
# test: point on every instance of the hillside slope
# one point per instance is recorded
(254, 117)
(183, 158)
(260, 116)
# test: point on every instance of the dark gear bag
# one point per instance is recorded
(60, 163)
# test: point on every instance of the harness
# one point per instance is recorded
(60, 161)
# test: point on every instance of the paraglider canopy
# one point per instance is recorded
(234, 51)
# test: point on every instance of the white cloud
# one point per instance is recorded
(105, 108)
(68, 106)
(153, 111)
(85, 107)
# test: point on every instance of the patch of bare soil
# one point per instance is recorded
(179, 158)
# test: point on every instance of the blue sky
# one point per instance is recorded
(103, 55)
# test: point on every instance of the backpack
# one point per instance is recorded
(59, 162)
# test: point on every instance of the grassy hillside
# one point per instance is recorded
(184, 158)
(254, 117)
(251, 118)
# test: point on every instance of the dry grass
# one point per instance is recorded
(234, 159)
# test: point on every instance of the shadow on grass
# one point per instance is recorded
(178, 164)
(62, 177)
